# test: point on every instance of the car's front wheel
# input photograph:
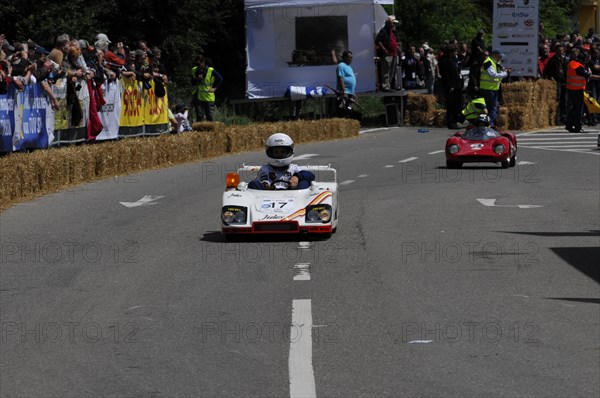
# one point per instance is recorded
(505, 164)
(453, 165)
(513, 161)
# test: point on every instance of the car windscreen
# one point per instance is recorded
(480, 134)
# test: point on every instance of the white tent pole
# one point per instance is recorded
(374, 48)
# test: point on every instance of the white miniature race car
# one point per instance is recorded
(313, 210)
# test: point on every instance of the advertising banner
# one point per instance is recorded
(110, 113)
(515, 33)
(156, 116)
(34, 119)
(7, 119)
(132, 110)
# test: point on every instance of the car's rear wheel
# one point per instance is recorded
(230, 237)
(453, 165)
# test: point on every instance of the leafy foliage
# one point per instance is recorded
(182, 28)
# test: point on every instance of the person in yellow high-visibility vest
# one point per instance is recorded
(206, 80)
(492, 74)
(473, 109)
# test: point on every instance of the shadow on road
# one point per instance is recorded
(217, 237)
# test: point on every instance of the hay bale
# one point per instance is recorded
(420, 102)
(208, 126)
(520, 118)
(502, 122)
(422, 118)
(439, 119)
(26, 175)
(518, 93)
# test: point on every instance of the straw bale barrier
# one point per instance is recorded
(440, 118)
(531, 104)
(27, 175)
(421, 109)
(538, 98)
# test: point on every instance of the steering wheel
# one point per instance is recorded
(286, 182)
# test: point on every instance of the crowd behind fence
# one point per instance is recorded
(116, 109)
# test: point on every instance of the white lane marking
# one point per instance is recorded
(304, 245)
(388, 166)
(555, 134)
(302, 272)
(566, 145)
(371, 130)
(305, 156)
(347, 182)
(436, 152)
(591, 151)
(524, 162)
(420, 341)
(145, 201)
(363, 176)
(492, 203)
(554, 139)
(407, 160)
(302, 376)
(521, 295)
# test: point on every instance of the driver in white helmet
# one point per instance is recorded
(280, 172)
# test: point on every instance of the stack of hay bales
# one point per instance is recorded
(208, 126)
(26, 175)
(529, 105)
(421, 110)
(440, 118)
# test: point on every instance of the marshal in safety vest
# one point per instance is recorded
(202, 90)
(574, 81)
(487, 82)
(474, 109)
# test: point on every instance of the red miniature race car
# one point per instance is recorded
(481, 144)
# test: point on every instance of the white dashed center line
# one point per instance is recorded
(407, 160)
(302, 272)
(347, 182)
(302, 376)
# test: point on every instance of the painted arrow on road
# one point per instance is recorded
(145, 201)
(492, 203)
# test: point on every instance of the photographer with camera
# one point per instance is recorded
(206, 80)
(46, 72)
(145, 71)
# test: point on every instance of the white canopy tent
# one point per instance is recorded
(290, 43)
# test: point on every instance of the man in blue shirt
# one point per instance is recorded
(346, 82)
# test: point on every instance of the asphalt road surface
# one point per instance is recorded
(452, 283)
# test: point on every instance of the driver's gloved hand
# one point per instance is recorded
(266, 184)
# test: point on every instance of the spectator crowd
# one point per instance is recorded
(443, 72)
(80, 62)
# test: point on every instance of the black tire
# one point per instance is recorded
(513, 161)
(453, 165)
(505, 164)
(231, 237)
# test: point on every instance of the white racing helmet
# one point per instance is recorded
(280, 150)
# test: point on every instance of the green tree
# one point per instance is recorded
(435, 21)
